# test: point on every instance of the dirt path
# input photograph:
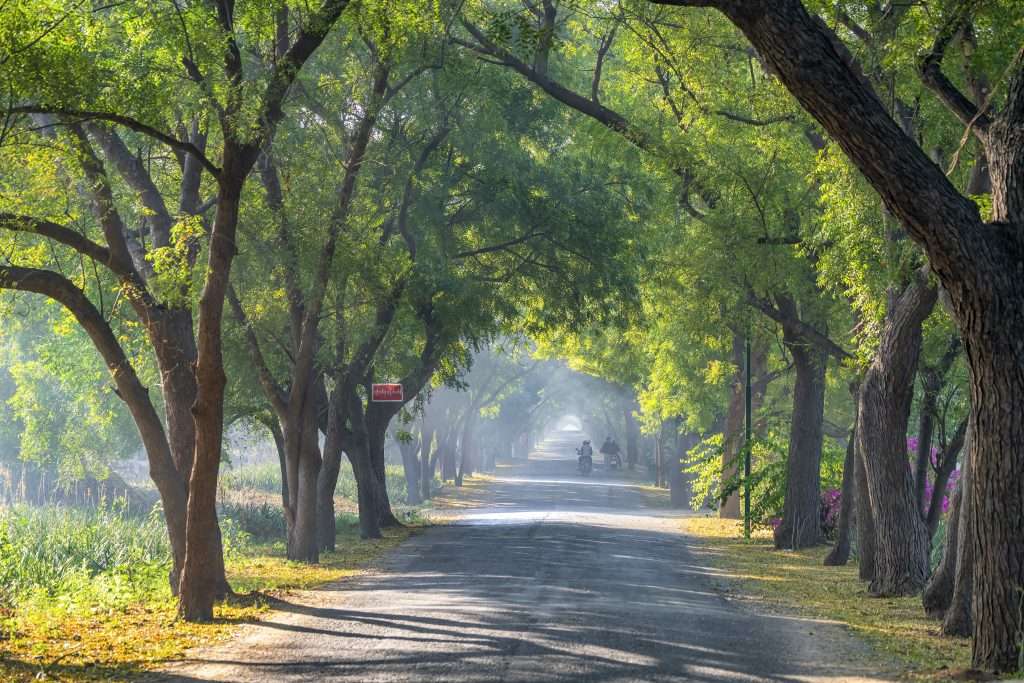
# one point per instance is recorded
(556, 579)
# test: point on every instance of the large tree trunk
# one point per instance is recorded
(840, 553)
(200, 577)
(366, 490)
(303, 461)
(902, 543)
(801, 515)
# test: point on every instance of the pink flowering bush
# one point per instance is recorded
(929, 486)
(830, 501)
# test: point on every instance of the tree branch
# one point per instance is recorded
(823, 342)
(57, 233)
(930, 69)
(127, 122)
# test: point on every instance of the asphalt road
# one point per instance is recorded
(553, 578)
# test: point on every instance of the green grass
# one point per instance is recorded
(266, 477)
(896, 628)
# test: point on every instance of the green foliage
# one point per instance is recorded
(767, 479)
(173, 277)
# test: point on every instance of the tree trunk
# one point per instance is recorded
(801, 515)
(962, 607)
(411, 469)
(202, 574)
(938, 595)
(366, 488)
(925, 427)
(303, 539)
(866, 535)
(275, 430)
(947, 466)
(427, 462)
(732, 435)
(377, 427)
(840, 553)
(902, 543)
(327, 482)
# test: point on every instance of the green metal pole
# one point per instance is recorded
(746, 449)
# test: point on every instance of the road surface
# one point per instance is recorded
(553, 578)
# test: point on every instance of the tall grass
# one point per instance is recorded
(111, 556)
(99, 554)
(267, 477)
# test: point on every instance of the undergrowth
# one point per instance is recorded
(84, 594)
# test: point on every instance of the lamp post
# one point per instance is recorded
(746, 446)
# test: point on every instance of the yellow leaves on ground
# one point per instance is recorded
(787, 580)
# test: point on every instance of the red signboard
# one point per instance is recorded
(386, 393)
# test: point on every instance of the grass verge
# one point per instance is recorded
(87, 637)
(896, 628)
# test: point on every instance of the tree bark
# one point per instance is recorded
(902, 543)
(840, 553)
(801, 515)
(938, 595)
(200, 580)
(732, 435)
(961, 610)
(866, 535)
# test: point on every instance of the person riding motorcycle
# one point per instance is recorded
(610, 449)
(586, 459)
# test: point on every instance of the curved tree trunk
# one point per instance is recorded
(902, 543)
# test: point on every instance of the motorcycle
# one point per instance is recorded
(614, 461)
(584, 462)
